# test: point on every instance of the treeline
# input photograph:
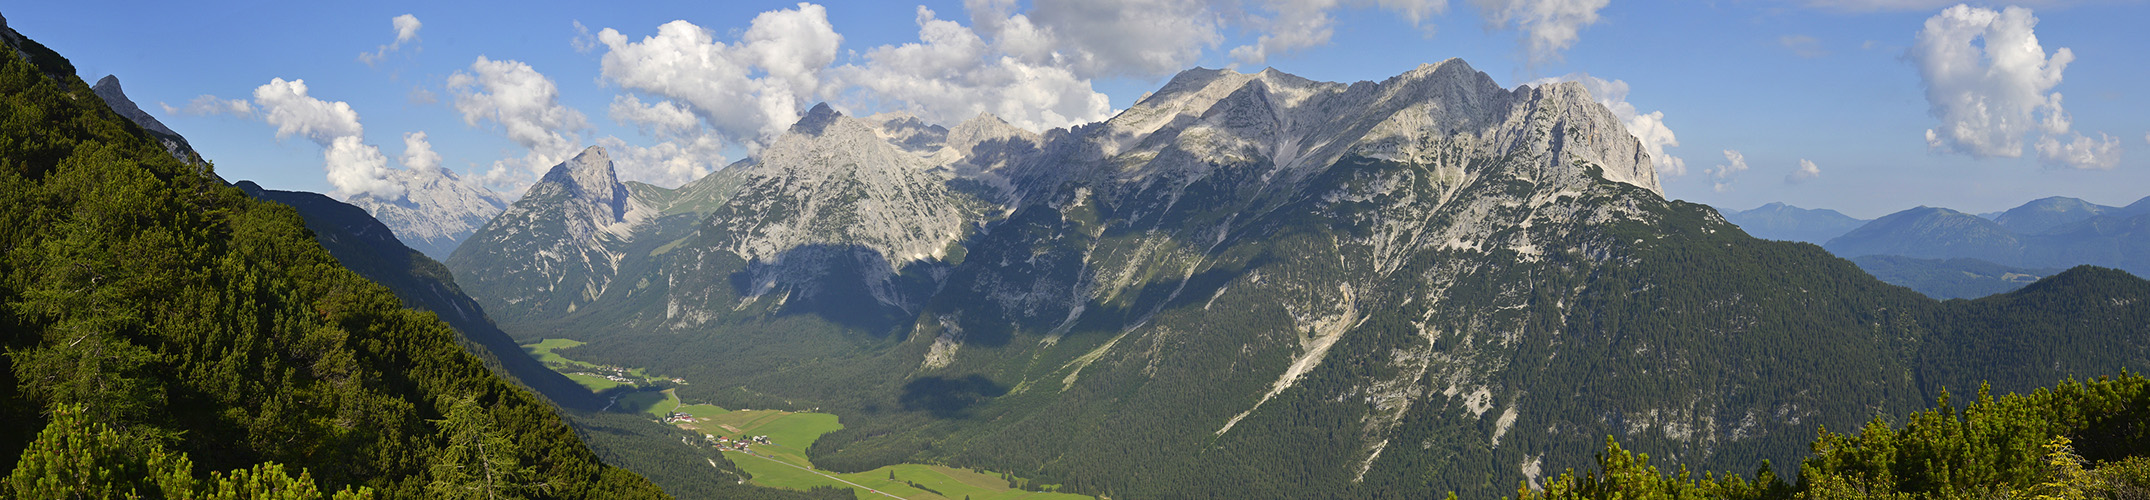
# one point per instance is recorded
(165, 335)
(2074, 441)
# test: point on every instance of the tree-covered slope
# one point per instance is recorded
(146, 301)
(368, 247)
(1958, 278)
(1258, 286)
(2074, 440)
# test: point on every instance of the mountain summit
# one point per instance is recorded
(559, 246)
(109, 90)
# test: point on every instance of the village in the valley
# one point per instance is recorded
(724, 443)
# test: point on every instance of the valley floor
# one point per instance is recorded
(770, 445)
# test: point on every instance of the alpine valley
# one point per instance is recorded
(1243, 285)
(1253, 285)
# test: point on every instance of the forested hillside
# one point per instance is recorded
(166, 335)
(2077, 440)
(367, 247)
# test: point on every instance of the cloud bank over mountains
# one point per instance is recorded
(694, 95)
(697, 93)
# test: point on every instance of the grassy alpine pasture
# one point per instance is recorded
(656, 404)
(702, 410)
(790, 434)
(543, 351)
(911, 481)
(593, 382)
(783, 462)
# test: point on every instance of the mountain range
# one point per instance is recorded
(1948, 254)
(1778, 221)
(1246, 285)
(2047, 233)
(1255, 285)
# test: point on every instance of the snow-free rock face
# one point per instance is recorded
(558, 247)
(837, 207)
(1294, 126)
(109, 90)
(436, 212)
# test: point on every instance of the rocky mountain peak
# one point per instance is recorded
(908, 132)
(108, 89)
(589, 176)
(980, 139)
(816, 120)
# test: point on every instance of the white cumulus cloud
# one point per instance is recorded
(2080, 151)
(788, 49)
(1991, 84)
(1298, 24)
(284, 104)
(665, 119)
(954, 74)
(406, 27)
(353, 166)
(1646, 127)
(1721, 175)
(1548, 26)
(669, 163)
(525, 105)
(1807, 171)
(1094, 38)
(418, 154)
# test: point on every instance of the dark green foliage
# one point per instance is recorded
(168, 306)
(2076, 440)
(368, 248)
(77, 458)
(1960, 278)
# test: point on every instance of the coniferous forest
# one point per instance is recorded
(167, 336)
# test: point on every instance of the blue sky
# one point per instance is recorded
(1843, 85)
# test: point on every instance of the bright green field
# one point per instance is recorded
(593, 382)
(543, 351)
(789, 433)
(950, 483)
(654, 403)
(702, 410)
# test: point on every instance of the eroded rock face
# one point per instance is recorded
(557, 248)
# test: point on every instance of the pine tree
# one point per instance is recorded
(479, 461)
(76, 458)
